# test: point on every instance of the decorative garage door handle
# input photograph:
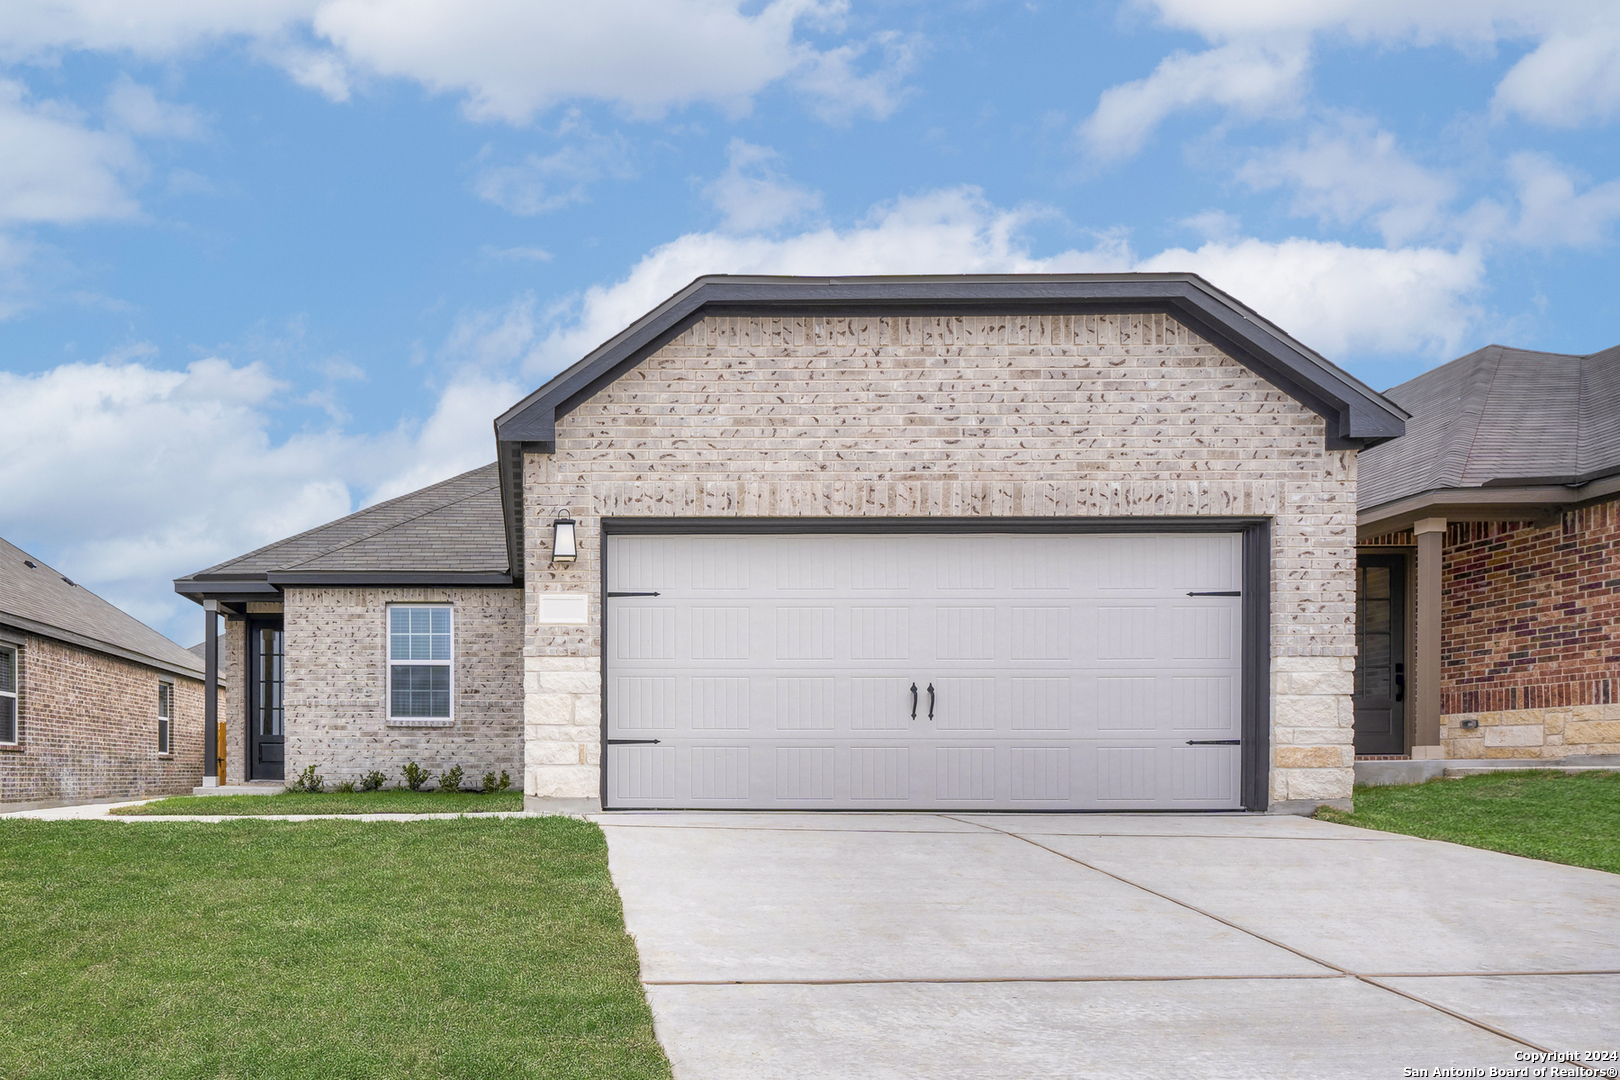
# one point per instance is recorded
(914, 701)
(1214, 742)
(613, 594)
(930, 701)
(1233, 593)
(632, 742)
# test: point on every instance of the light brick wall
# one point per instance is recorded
(88, 729)
(336, 685)
(1124, 415)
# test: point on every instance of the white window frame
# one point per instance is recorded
(165, 722)
(389, 664)
(13, 694)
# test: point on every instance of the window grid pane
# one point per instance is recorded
(163, 736)
(8, 719)
(419, 634)
(8, 671)
(421, 691)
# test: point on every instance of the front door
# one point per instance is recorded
(266, 734)
(1380, 697)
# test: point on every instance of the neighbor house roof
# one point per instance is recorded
(448, 533)
(1501, 417)
(40, 600)
(1356, 415)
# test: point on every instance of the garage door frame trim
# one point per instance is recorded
(1255, 721)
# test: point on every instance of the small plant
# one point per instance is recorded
(347, 787)
(373, 781)
(308, 780)
(450, 779)
(415, 776)
(492, 784)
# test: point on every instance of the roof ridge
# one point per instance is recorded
(1484, 403)
(326, 525)
(402, 521)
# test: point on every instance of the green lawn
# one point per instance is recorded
(1566, 818)
(461, 947)
(395, 801)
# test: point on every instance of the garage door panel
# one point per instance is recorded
(794, 689)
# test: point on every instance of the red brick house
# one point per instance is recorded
(1488, 583)
(94, 704)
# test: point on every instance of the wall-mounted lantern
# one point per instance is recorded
(564, 547)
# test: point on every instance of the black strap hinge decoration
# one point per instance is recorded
(613, 594)
(1214, 742)
(632, 742)
(1233, 593)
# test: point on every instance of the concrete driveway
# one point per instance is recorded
(1002, 946)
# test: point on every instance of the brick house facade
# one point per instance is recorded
(87, 685)
(1522, 523)
(1072, 407)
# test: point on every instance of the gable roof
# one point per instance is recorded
(1356, 415)
(41, 600)
(1501, 417)
(447, 533)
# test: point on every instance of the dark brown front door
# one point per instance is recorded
(266, 732)
(1381, 661)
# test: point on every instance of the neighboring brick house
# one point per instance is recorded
(93, 704)
(1029, 542)
(1497, 522)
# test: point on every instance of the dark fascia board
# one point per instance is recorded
(56, 633)
(227, 589)
(1356, 415)
(284, 578)
(1482, 504)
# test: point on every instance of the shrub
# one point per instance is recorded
(347, 787)
(450, 779)
(415, 776)
(492, 784)
(373, 781)
(308, 780)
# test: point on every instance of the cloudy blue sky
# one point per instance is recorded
(264, 262)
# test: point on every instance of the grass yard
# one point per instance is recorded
(395, 801)
(1569, 818)
(452, 948)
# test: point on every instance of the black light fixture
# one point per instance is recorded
(564, 547)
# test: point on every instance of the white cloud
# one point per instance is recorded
(540, 184)
(1570, 79)
(1252, 79)
(136, 109)
(509, 59)
(173, 471)
(53, 168)
(1343, 300)
(1552, 212)
(753, 194)
(1339, 299)
(1351, 171)
(1261, 51)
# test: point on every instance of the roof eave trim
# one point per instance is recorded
(82, 641)
(392, 577)
(1483, 500)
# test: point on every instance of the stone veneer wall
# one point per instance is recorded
(336, 684)
(1531, 636)
(88, 729)
(1109, 415)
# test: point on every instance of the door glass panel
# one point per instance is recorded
(268, 684)
(1375, 582)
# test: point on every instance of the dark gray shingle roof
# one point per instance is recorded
(41, 600)
(454, 525)
(1500, 416)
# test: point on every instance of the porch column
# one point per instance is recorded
(210, 777)
(1431, 542)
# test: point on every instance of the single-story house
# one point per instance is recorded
(1489, 563)
(94, 704)
(984, 542)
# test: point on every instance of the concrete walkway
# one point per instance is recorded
(878, 946)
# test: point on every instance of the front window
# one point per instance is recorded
(419, 659)
(8, 696)
(165, 712)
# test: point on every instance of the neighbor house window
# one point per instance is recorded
(8, 696)
(165, 717)
(419, 658)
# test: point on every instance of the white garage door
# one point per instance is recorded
(923, 671)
